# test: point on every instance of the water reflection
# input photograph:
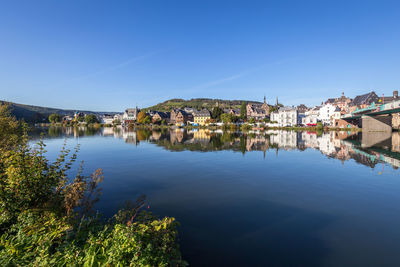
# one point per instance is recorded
(275, 198)
(366, 148)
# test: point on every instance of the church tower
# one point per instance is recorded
(265, 106)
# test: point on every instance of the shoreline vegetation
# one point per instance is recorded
(48, 218)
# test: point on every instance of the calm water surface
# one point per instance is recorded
(257, 199)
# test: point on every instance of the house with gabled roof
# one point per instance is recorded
(362, 101)
(179, 117)
(161, 116)
(258, 111)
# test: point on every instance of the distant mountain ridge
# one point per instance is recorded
(33, 114)
(198, 103)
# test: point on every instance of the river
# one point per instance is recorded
(275, 198)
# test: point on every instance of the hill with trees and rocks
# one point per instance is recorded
(198, 103)
(36, 114)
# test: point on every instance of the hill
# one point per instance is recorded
(198, 103)
(32, 114)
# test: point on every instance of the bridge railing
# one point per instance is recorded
(391, 105)
(374, 108)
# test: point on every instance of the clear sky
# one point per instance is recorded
(109, 55)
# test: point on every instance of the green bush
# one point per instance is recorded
(43, 239)
(10, 130)
(90, 118)
(48, 219)
(55, 118)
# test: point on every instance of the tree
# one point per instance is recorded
(54, 118)
(47, 218)
(243, 111)
(227, 118)
(252, 120)
(143, 118)
(90, 118)
(216, 113)
(147, 120)
(10, 129)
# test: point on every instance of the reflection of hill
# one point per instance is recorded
(198, 141)
(63, 132)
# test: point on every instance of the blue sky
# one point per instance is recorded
(109, 55)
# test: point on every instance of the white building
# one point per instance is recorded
(311, 117)
(286, 117)
(130, 115)
(325, 113)
(336, 116)
(107, 119)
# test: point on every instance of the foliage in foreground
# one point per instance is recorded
(47, 219)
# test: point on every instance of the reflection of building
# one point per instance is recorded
(310, 139)
(130, 137)
(202, 136)
(176, 136)
(284, 139)
(396, 142)
(155, 135)
(258, 142)
(340, 145)
(326, 146)
(108, 131)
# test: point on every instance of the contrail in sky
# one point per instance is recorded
(110, 68)
(236, 76)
